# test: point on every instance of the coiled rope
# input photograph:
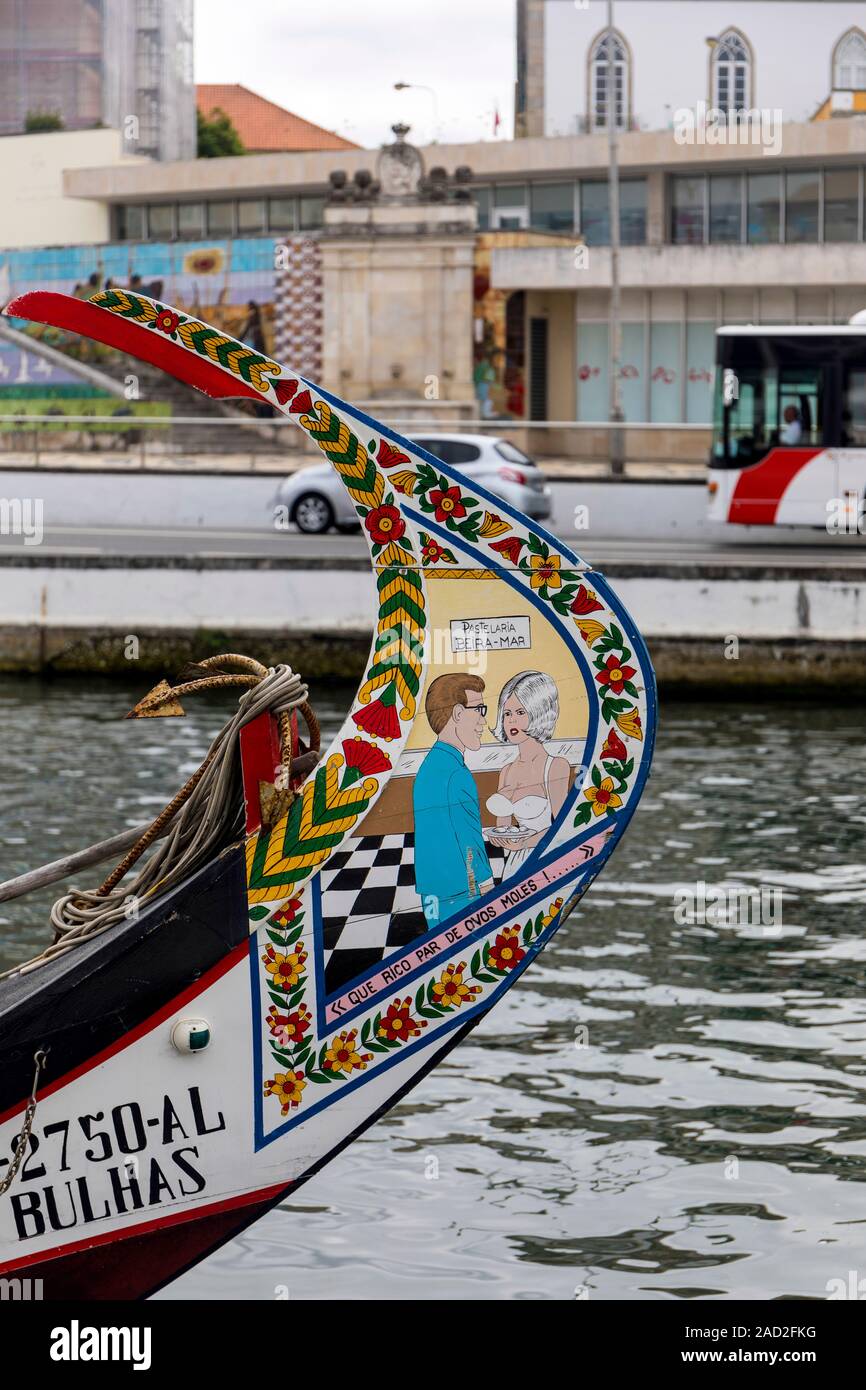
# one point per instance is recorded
(205, 815)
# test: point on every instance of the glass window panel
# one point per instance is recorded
(281, 214)
(251, 215)
(512, 195)
(594, 213)
(753, 415)
(632, 212)
(687, 210)
(481, 197)
(552, 206)
(632, 372)
(700, 360)
(800, 406)
(592, 388)
(312, 213)
(221, 218)
(133, 223)
(726, 198)
(160, 220)
(841, 199)
(190, 219)
(763, 195)
(854, 409)
(665, 373)
(801, 205)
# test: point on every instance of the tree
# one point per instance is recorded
(217, 136)
(37, 121)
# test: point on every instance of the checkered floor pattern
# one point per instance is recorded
(369, 906)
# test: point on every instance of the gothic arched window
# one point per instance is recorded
(849, 62)
(732, 63)
(609, 81)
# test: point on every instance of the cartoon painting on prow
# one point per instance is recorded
(451, 863)
(483, 777)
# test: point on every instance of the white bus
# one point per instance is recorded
(789, 428)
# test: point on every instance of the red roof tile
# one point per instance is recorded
(262, 125)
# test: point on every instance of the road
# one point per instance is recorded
(789, 550)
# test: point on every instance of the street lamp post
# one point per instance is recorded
(419, 87)
(616, 438)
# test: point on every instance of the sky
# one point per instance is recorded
(336, 61)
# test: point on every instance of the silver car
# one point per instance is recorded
(315, 500)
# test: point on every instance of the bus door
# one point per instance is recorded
(851, 455)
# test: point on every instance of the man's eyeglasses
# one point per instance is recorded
(478, 709)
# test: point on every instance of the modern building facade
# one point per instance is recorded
(125, 64)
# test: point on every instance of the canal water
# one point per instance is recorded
(672, 1101)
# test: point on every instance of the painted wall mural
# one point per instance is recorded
(255, 288)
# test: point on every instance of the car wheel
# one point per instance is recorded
(313, 514)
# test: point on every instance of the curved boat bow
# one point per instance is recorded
(214, 1052)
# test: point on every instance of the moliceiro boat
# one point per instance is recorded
(311, 931)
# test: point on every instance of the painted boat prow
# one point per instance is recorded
(376, 921)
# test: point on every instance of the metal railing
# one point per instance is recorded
(170, 440)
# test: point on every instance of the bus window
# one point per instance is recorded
(800, 406)
(854, 409)
(752, 418)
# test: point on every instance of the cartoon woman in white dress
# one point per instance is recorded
(534, 784)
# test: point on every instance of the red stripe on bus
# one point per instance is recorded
(760, 489)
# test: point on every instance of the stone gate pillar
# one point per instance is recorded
(397, 279)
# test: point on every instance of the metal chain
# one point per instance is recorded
(26, 1127)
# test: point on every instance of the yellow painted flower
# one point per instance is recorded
(404, 482)
(343, 1056)
(493, 525)
(589, 629)
(629, 723)
(284, 970)
(450, 987)
(288, 1087)
(551, 912)
(545, 571)
(603, 798)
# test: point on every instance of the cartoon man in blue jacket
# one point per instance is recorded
(451, 864)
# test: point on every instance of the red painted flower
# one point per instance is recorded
(509, 547)
(506, 951)
(447, 503)
(301, 404)
(167, 322)
(285, 390)
(384, 524)
(614, 749)
(388, 456)
(363, 760)
(432, 552)
(289, 1029)
(286, 914)
(379, 718)
(585, 602)
(397, 1022)
(614, 674)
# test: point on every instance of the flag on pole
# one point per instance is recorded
(497, 121)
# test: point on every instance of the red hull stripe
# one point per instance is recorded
(234, 957)
(246, 1199)
(80, 316)
(760, 489)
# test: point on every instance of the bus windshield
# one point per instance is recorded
(766, 406)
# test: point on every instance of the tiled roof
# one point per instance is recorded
(264, 126)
